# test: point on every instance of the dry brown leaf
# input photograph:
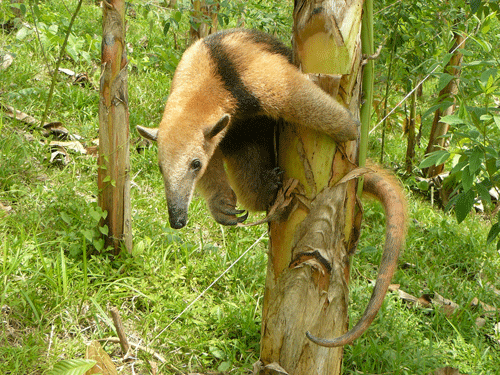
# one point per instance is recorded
(82, 79)
(92, 150)
(447, 305)
(270, 369)
(495, 290)
(480, 322)
(356, 173)
(407, 265)
(5, 209)
(487, 308)
(56, 129)
(394, 287)
(6, 61)
(75, 146)
(104, 364)
(68, 72)
(18, 115)
(408, 297)
(59, 154)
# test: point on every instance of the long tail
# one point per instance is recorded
(385, 188)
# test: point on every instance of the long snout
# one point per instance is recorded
(177, 216)
(178, 204)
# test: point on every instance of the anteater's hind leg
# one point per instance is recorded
(248, 150)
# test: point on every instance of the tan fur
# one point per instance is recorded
(294, 97)
(208, 123)
(199, 99)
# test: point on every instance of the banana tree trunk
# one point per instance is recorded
(308, 268)
(114, 166)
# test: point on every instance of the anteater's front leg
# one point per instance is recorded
(221, 199)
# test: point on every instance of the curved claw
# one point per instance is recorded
(278, 171)
(386, 189)
(241, 219)
(228, 215)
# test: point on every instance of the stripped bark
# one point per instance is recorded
(114, 164)
(447, 94)
(308, 268)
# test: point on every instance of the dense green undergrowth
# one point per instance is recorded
(55, 289)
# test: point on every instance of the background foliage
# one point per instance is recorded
(55, 286)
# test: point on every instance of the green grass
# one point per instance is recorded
(55, 291)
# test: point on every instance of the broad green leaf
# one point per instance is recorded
(99, 244)
(467, 178)
(65, 217)
(72, 367)
(475, 160)
(491, 166)
(474, 5)
(177, 16)
(486, 27)
(224, 367)
(166, 28)
(442, 106)
(494, 232)
(23, 33)
(88, 234)
(458, 167)
(452, 120)
(217, 353)
(484, 193)
(490, 152)
(484, 44)
(464, 204)
(444, 79)
(497, 121)
(435, 158)
(104, 230)
(95, 215)
(423, 185)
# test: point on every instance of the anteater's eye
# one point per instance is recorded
(196, 165)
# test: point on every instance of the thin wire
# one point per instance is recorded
(415, 88)
(212, 284)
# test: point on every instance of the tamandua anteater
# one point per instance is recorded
(227, 94)
(234, 85)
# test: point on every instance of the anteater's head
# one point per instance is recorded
(184, 153)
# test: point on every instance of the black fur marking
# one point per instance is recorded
(247, 102)
(243, 133)
(273, 44)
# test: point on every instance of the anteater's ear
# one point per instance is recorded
(217, 128)
(148, 133)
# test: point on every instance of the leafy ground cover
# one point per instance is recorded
(55, 289)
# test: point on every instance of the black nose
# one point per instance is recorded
(177, 215)
(178, 223)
